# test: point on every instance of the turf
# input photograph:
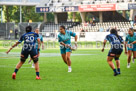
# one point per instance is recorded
(90, 73)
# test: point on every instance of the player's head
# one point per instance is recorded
(28, 29)
(62, 29)
(130, 31)
(36, 31)
(113, 31)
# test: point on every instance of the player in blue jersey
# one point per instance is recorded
(41, 39)
(64, 39)
(115, 51)
(28, 48)
(130, 46)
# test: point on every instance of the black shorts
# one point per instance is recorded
(26, 53)
(114, 52)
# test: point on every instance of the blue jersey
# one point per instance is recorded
(114, 40)
(130, 39)
(41, 39)
(67, 37)
(29, 39)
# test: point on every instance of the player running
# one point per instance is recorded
(41, 39)
(130, 46)
(29, 39)
(115, 51)
(64, 39)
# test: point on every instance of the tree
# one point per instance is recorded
(28, 13)
(11, 13)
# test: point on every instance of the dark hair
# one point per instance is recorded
(28, 29)
(114, 31)
(131, 29)
(62, 26)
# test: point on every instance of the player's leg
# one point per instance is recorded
(68, 61)
(118, 63)
(34, 56)
(63, 54)
(33, 65)
(64, 57)
(30, 60)
(35, 59)
(18, 66)
(134, 56)
(109, 60)
(129, 58)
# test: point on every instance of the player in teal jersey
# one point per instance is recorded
(64, 39)
(41, 39)
(130, 46)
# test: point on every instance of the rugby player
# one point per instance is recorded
(130, 46)
(64, 39)
(115, 51)
(28, 48)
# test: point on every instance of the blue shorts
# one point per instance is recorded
(26, 53)
(64, 50)
(114, 52)
(131, 49)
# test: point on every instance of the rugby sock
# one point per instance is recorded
(114, 70)
(37, 73)
(69, 66)
(118, 69)
(16, 70)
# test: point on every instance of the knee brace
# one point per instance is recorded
(22, 58)
(35, 59)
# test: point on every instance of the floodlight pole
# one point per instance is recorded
(20, 13)
(1, 16)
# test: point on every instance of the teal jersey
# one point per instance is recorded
(130, 39)
(67, 37)
(41, 39)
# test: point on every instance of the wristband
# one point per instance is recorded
(76, 42)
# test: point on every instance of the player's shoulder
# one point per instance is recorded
(134, 34)
(68, 31)
(108, 35)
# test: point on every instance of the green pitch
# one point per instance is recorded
(90, 72)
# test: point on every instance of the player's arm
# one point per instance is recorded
(12, 47)
(104, 43)
(133, 42)
(60, 41)
(39, 43)
(125, 44)
(76, 40)
(19, 41)
(42, 43)
(74, 35)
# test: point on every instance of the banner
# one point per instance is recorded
(71, 8)
(57, 9)
(132, 6)
(102, 7)
(122, 6)
(42, 9)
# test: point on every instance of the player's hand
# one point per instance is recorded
(62, 43)
(76, 44)
(126, 52)
(102, 50)
(42, 47)
(130, 45)
(8, 51)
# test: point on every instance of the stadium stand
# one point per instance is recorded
(84, 2)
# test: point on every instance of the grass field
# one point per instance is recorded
(90, 72)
